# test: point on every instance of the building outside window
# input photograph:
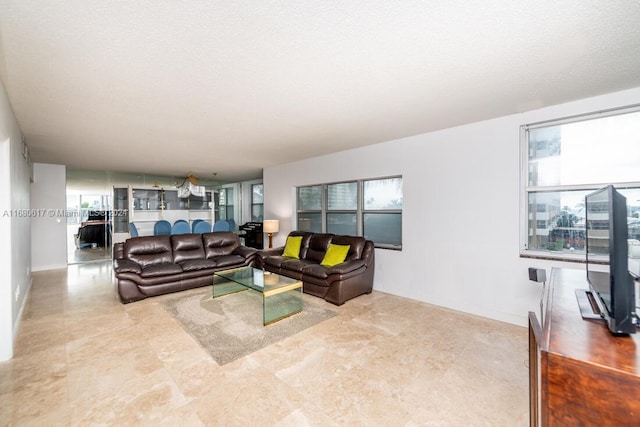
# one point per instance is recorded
(257, 202)
(566, 159)
(371, 208)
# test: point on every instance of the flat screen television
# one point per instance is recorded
(606, 233)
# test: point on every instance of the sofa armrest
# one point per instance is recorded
(126, 266)
(245, 251)
(269, 252)
(118, 250)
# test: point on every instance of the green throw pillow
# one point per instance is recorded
(292, 247)
(336, 254)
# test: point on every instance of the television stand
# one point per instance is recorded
(589, 309)
(579, 373)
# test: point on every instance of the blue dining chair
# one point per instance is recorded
(162, 228)
(221, 226)
(194, 223)
(181, 227)
(232, 224)
(133, 230)
(202, 227)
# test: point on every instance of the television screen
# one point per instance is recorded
(606, 256)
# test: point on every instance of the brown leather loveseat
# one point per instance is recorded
(155, 265)
(337, 283)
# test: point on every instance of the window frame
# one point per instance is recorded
(526, 190)
(359, 212)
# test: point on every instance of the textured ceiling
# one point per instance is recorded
(172, 86)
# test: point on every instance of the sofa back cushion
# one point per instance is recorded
(219, 243)
(186, 247)
(318, 245)
(148, 250)
(355, 243)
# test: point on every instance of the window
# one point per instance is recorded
(371, 208)
(310, 209)
(566, 159)
(257, 202)
(226, 204)
(382, 220)
(342, 207)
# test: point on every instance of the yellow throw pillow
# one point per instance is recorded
(292, 247)
(336, 254)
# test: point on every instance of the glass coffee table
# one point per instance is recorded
(281, 296)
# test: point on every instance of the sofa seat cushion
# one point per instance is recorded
(341, 271)
(161, 269)
(197, 264)
(228, 260)
(274, 261)
(316, 270)
(297, 265)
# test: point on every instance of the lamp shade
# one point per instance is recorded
(270, 226)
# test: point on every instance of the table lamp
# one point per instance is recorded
(270, 226)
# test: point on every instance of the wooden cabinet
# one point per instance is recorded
(580, 374)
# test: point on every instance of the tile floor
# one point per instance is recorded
(83, 358)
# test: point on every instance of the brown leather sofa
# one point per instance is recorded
(155, 265)
(336, 284)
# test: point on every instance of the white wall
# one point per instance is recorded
(49, 227)
(461, 210)
(15, 241)
(6, 285)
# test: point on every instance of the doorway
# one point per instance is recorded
(89, 226)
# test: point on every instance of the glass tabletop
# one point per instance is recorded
(256, 279)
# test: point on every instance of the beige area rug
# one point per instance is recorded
(230, 326)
